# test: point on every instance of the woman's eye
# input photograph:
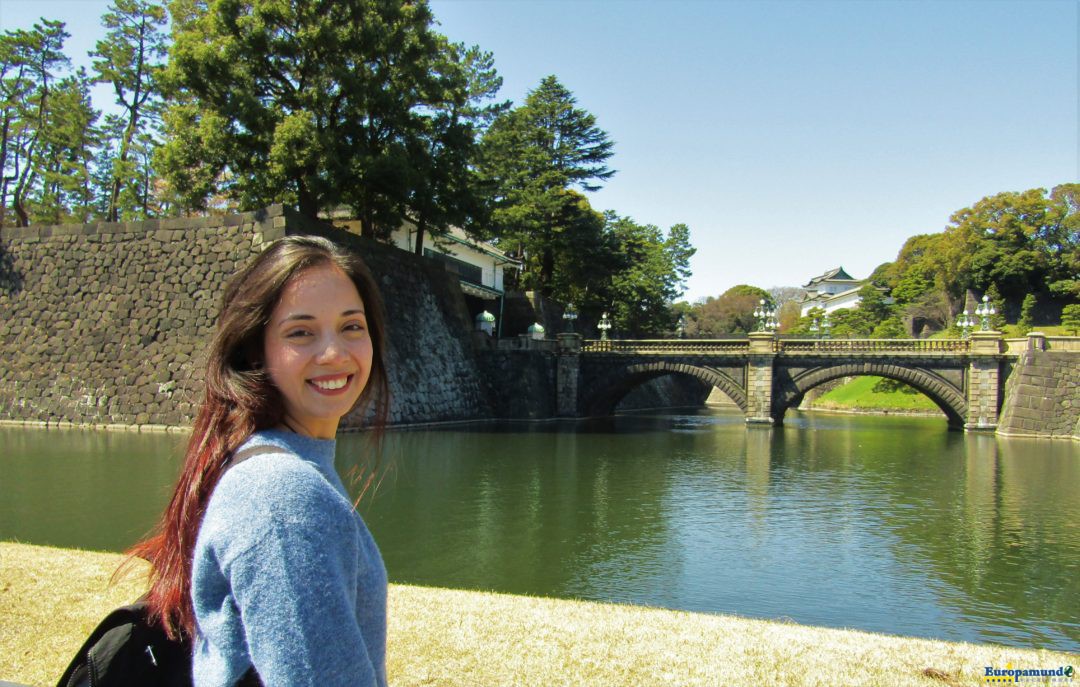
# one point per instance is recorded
(297, 334)
(355, 327)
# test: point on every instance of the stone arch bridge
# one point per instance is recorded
(765, 376)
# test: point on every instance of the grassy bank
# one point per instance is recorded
(51, 598)
(859, 395)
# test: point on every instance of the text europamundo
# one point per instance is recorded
(1061, 674)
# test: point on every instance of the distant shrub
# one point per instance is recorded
(892, 386)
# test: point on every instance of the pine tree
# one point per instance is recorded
(534, 156)
(1027, 315)
(997, 320)
(131, 59)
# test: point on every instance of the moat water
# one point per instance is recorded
(886, 524)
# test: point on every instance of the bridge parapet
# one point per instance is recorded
(1037, 341)
(817, 347)
(875, 346)
(667, 346)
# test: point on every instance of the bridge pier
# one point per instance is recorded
(759, 379)
(567, 373)
(983, 382)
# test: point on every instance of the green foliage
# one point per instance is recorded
(1070, 318)
(1027, 314)
(131, 59)
(731, 313)
(997, 320)
(851, 323)
(444, 189)
(653, 269)
(884, 385)
(532, 157)
(316, 105)
(48, 129)
(872, 303)
(889, 328)
(1017, 244)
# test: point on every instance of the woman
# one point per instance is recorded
(260, 555)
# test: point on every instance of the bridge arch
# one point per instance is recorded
(610, 391)
(943, 393)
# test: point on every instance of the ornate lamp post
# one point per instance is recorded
(815, 330)
(766, 317)
(985, 310)
(966, 321)
(604, 325)
(680, 327)
(826, 325)
(570, 314)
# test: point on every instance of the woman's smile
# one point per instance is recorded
(331, 384)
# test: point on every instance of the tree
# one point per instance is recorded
(32, 62)
(997, 320)
(889, 328)
(63, 187)
(730, 313)
(131, 59)
(17, 83)
(1022, 242)
(872, 304)
(315, 104)
(532, 156)
(444, 189)
(1070, 317)
(1027, 315)
(653, 271)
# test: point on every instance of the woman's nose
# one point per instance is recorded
(331, 350)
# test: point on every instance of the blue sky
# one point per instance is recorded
(791, 137)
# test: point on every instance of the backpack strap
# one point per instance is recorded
(251, 452)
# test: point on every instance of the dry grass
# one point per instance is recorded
(51, 598)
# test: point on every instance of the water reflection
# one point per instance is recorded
(885, 524)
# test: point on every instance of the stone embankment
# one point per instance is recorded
(1042, 396)
(105, 324)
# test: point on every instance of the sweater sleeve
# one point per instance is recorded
(293, 579)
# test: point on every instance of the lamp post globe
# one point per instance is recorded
(570, 314)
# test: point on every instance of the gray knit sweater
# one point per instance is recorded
(286, 576)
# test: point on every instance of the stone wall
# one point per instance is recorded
(105, 323)
(520, 384)
(1042, 396)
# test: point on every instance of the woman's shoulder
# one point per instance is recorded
(269, 478)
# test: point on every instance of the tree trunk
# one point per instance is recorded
(367, 225)
(22, 219)
(3, 166)
(420, 226)
(547, 271)
(309, 207)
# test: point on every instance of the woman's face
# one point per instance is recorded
(318, 350)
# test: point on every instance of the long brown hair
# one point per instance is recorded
(240, 399)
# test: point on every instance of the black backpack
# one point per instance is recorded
(127, 649)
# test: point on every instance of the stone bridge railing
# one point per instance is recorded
(667, 346)
(781, 346)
